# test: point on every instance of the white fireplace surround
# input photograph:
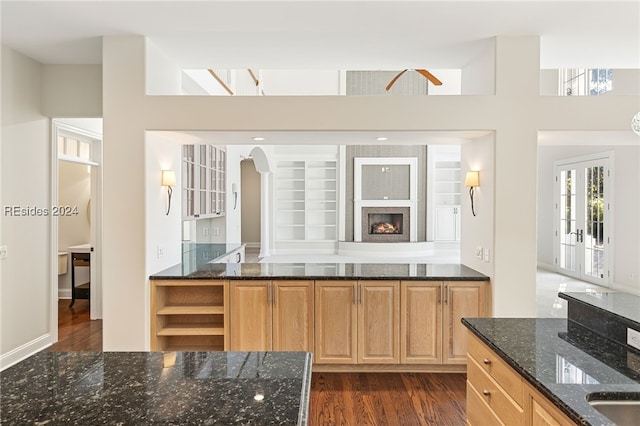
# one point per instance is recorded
(359, 203)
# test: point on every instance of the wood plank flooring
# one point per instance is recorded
(337, 399)
(388, 399)
(76, 332)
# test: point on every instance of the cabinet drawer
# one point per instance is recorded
(494, 395)
(478, 412)
(495, 367)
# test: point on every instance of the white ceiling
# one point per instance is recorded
(304, 34)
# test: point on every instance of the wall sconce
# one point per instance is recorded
(472, 180)
(168, 180)
(234, 191)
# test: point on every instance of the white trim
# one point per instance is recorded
(64, 293)
(22, 352)
(72, 159)
(358, 202)
(342, 191)
(547, 266)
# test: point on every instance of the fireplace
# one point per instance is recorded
(385, 224)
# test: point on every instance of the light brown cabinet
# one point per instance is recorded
(357, 322)
(430, 315)
(271, 315)
(189, 315)
(497, 394)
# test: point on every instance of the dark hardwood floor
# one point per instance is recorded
(76, 332)
(349, 399)
(387, 399)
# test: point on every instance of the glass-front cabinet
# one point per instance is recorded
(204, 180)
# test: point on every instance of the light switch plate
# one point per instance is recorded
(633, 338)
(4, 252)
(486, 255)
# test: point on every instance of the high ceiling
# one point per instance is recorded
(303, 34)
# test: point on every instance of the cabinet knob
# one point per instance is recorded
(485, 392)
(486, 361)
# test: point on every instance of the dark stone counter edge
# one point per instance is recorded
(624, 320)
(315, 277)
(555, 400)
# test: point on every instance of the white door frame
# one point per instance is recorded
(609, 157)
(58, 128)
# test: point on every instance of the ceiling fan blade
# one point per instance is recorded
(253, 76)
(219, 80)
(393, 81)
(430, 77)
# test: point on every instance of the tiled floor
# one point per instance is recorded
(549, 284)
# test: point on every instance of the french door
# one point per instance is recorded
(583, 210)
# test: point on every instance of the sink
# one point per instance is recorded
(622, 409)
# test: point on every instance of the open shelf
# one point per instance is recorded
(189, 314)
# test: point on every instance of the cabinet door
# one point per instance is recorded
(461, 299)
(447, 223)
(420, 322)
(335, 322)
(293, 316)
(378, 322)
(250, 316)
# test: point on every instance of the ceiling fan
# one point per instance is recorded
(426, 74)
(225, 87)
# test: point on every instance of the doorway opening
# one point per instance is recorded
(76, 217)
(583, 218)
(250, 205)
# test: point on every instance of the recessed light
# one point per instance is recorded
(258, 397)
(258, 138)
(381, 138)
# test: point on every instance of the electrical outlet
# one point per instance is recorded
(479, 252)
(160, 251)
(4, 252)
(205, 231)
(486, 255)
(633, 338)
(216, 231)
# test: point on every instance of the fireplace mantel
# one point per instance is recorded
(409, 192)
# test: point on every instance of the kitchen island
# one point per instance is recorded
(525, 369)
(140, 388)
(351, 316)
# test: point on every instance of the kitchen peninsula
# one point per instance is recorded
(351, 316)
(137, 388)
(557, 371)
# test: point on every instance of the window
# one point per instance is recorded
(584, 81)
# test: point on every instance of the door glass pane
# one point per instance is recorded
(594, 222)
(567, 220)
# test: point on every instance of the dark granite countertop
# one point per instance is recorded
(320, 271)
(170, 388)
(564, 361)
(623, 305)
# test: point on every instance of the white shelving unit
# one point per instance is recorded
(306, 201)
(447, 184)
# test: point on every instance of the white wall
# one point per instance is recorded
(478, 76)
(25, 293)
(626, 235)
(300, 82)
(478, 231)
(74, 190)
(72, 90)
(163, 232)
(625, 82)
(164, 76)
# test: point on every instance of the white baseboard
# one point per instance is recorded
(64, 293)
(252, 245)
(18, 354)
(547, 266)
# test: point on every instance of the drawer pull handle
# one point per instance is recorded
(486, 361)
(486, 392)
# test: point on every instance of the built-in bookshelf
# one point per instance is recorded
(306, 200)
(447, 184)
